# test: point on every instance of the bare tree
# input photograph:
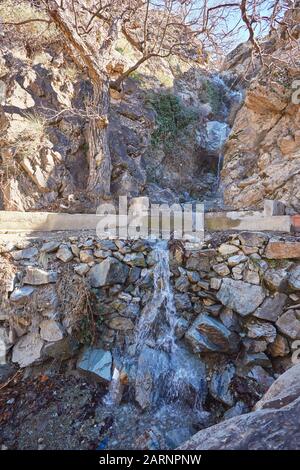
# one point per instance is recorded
(155, 28)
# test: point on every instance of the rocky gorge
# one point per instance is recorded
(119, 343)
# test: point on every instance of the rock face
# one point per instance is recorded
(262, 153)
(272, 426)
(242, 297)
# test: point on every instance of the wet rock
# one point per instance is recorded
(108, 272)
(276, 279)
(37, 276)
(208, 334)
(219, 386)
(28, 349)
(182, 302)
(289, 324)
(152, 364)
(193, 277)
(230, 319)
(27, 253)
(134, 274)
(64, 254)
(177, 436)
(21, 295)
(97, 362)
(272, 307)
(187, 377)
(240, 296)
(51, 331)
(182, 284)
(294, 279)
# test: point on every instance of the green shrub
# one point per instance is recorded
(172, 117)
(214, 96)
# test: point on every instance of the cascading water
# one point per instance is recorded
(161, 369)
(158, 321)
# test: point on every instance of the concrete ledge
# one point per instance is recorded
(219, 221)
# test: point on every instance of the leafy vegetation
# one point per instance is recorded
(172, 118)
(213, 95)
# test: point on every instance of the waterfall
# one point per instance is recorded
(159, 369)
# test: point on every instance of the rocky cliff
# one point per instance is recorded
(262, 157)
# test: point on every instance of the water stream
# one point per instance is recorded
(168, 383)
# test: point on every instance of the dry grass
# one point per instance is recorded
(31, 137)
(76, 302)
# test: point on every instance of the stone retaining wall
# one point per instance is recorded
(238, 303)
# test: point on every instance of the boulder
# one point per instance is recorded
(28, 349)
(110, 271)
(64, 253)
(283, 391)
(27, 253)
(207, 334)
(96, 362)
(81, 269)
(219, 385)
(261, 330)
(152, 366)
(50, 247)
(289, 324)
(272, 307)
(266, 429)
(276, 279)
(86, 256)
(240, 296)
(253, 239)
(282, 250)
(51, 330)
(135, 259)
(36, 276)
(227, 250)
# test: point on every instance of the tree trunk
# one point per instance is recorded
(98, 148)
(97, 134)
